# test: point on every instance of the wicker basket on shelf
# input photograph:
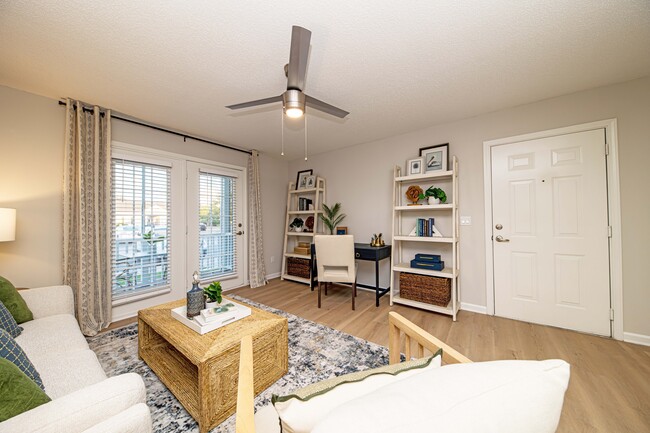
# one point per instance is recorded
(298, 267)
(423, 288)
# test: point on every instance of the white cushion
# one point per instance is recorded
(302, 411)
(486, 397)
(51, 335)
(136, 419)
(64, 373)
(266, 420)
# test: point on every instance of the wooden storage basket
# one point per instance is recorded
(423, 288)
(298, 267)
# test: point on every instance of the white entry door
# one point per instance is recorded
(215, 224)
(550, 231)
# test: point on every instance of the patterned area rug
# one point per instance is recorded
(316, 352)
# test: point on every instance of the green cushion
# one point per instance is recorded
(14, 302)
(8, 323)
(11, 351)
(18, 392)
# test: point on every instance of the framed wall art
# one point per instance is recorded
(435, 157)
(301, 178)
(414, 166)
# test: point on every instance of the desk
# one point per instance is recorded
(361, 252)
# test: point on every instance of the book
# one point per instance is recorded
(226, 309)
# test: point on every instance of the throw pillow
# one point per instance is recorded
(14, 302)
(301, 411)
(18, 392)
(486, 397)
(11, 351)
(8, 323)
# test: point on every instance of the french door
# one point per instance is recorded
(215, 224)
(550, 231)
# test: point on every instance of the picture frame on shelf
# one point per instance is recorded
(311, 182)
(341, 230)
(414, 166)
(301, 178)
(436, 158)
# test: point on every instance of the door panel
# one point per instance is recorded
(550, 196)
(215, 218)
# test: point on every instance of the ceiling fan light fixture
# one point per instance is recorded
(293, 102)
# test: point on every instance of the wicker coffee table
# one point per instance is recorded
(202, 370)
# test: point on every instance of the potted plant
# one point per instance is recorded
(435, 195)
(213, 294)
(330, 216)
(296, 224)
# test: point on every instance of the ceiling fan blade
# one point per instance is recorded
(325, 107)
(298, 55)
(255, 103)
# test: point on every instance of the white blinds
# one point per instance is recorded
(141, 211)
(217, 226)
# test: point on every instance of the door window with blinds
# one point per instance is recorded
(216, 214)
(141, 228)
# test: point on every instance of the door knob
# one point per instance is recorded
(499, 238)
(498, 226)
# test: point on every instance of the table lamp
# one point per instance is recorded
(7, 224)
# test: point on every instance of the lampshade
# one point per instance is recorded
(7, 224)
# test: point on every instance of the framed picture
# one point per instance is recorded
(414, 166)
(341, 230)
(311, 181)
(435, 157)
(301, 179)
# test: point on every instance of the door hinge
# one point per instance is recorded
(606, 148)
(611, 314)
(609, 231)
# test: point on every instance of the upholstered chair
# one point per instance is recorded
(335, 262)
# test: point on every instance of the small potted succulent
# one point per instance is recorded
(297, 224)
(213, 294)
(435, 195)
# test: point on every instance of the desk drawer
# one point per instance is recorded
(365, 254)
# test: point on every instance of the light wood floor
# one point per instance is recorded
(609, 389)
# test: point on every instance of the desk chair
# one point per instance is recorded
(335, 261)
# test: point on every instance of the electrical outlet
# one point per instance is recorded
(272, 259)
(465, 220)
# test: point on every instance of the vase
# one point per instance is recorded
(195, 301)
(298, 229)
(434, 200)
(214, 304)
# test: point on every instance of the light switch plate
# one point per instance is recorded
(465, 220)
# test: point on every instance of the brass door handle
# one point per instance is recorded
(500, 238)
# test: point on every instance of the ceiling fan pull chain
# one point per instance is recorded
(305, 136)
(282, 129)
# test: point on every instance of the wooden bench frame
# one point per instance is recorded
(397, 325)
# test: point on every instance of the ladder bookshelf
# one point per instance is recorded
(405, 245)
(318, 196)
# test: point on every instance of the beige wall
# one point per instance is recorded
(31, 179)
(360, 177)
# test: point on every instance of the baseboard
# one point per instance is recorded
(273, 275)
(481, 309)
(630, 337)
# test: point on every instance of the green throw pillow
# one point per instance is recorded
(18, 392)
(14, 302)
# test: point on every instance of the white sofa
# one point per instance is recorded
(83, 398)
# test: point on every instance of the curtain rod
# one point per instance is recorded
(158, 128)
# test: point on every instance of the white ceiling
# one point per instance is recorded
(396, 66)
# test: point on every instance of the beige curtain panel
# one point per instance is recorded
(256, 266)
(87, 214)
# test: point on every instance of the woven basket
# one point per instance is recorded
(423, 288)
(298, 267)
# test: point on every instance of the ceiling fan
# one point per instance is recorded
(294, 100)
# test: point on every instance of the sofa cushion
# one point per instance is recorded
(18, 392)
(51, 335)
(68, 372)
(490, 397)
(8, 323)
(14, 302)
(301, 411)
(12, 352)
